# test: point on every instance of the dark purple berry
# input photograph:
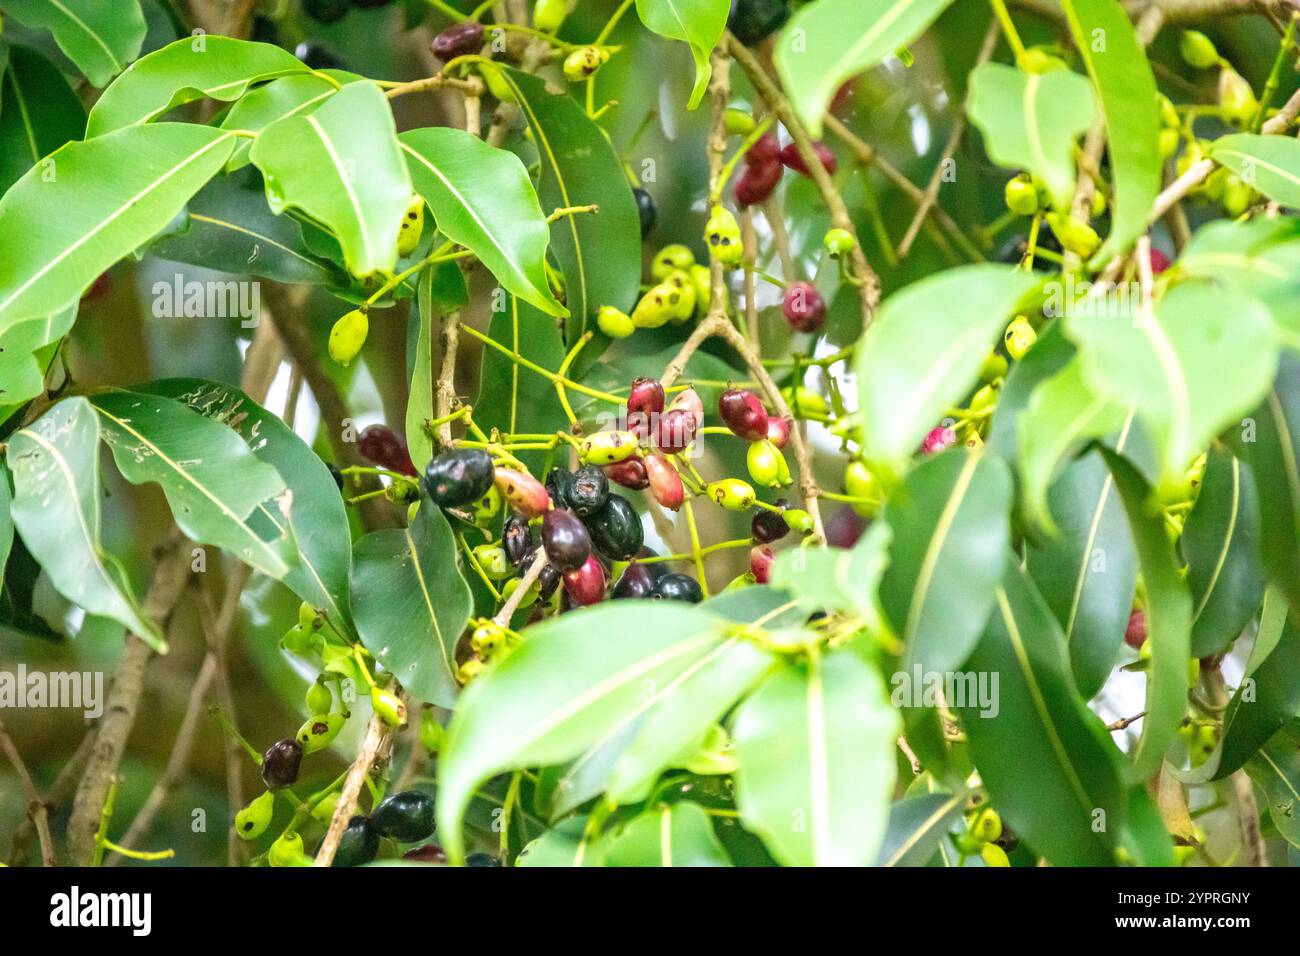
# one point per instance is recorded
(567, 543)
(589, 491)
(358, 845)
(280, 763)
(743, 413)
(406, 817)
(460, 39)
(803, 307)
(458, 477)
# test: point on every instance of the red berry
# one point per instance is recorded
(760, 563)
(382, 446)
(647, 395)
(665, 483)
(460, 39)
(1159, 261)
(844, 528)
(522, 492)
(743, 413)
(676, 429)
(689, 400)
(791, 157)
(758, 182)
(1135, 635)
(586, 584)
(429, 853)
(938, 439)
(765, 151)
(841, 97)
(778, 431)
(804, 307)
(630, 473)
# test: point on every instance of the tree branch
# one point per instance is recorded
(36, 809)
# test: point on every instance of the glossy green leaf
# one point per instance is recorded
(215, 486)
(950, 531)
(598, 253)
(815, 745)
(1051, 353)
(318, 522)
(560, 691)
(1043, 757)
(292, 95)
(917, 825)
(565, 844)
(1201, 362)
(228, 227)
(842, 579)
(65, 222)
(341, 165)
(1270, 441)
(1118, 67)
(924, 351)
(832, 41)
(1269, 164)
(697, 22)
(757, 604)
(1220, 545)
(679, 834)
(1063, 412)
(100, 38)
(1168, 614)
(482, 198)
(22, 377)
(1031, 121)
(1269, 695)
(411, 603)
(56, 508)
(191, 68)
(6, 522)
(40, 114)
(1275, 768)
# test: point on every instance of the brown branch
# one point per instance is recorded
(530, 576)
(374, 748)
(58, 793)
(37, 812)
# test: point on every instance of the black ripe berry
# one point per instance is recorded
(768, 526)
(678, 587)
(558, 483)
(636, 581)
(616, 529)
(753, 21)
(406, 817)
(335, 474)
(359, 843)
(588, 491)
(458, 477)
(645, 208)
(316, 56)
(461, 39)
(517, 539)
(567, 543)
(280, 763)
(547, 581)
(481, 859)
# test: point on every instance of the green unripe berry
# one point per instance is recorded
(487, 507)
(1168, 113)
(470, 669)
(388, 706)
(1168, 142)
(655, 307)
(732, 494)
(487, 638)
(432, 733)
(804, 401)
(702, 279)
(1021, 196)
(798, 520)
(299, 640)
(496, 82)
(994, 855)
(347, 336)
(287, 851)
(319, 698)
(607, 448)
(1098, 203)
(493, 560)
(681, 303)
(1076, 237)
(319, 732)
(252, 821)
(1019, 337)
(738, 122)
(1036, 60)
(767, 465)
(1197, 50)
(669, 259)
(615, 323)
(583, 63)
(512, 585)
(722, 233)
(986, 826)
(859, 482)
(1236, 98)
(1237, 195)
(549, 15)
(408, 234)
(323, 812)
(839, 242)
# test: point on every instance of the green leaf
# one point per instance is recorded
(411, 603)
(482, 198)
(832, 41)
(341, 165)
(293, 95)
(1269, 164)
(101, 38)
(1168, 614)
(1203, 360)
(1051, 353)
(917, 825)
(757, 604)
(318, 522)
(599, 253)
(1275, 768)
(815, 745)
(191, 68)
(1063, 412)
(697, 22)
(1118, 66)
(22, 376)
(560, 691)
(1044, 757)
(6, 523)
(1031, 121)
(836, 578)
(41, 113)
(925, 349)
(1087, 572)
(1268, 697)
(679, 834)
(566, 844)
(950, 531)
(213, 483)
(1219, 543)
(229, 228)
(1269, 440)
(56, 508)
(1259, 259)
(66, 221)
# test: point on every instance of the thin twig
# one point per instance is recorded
(36, 809)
